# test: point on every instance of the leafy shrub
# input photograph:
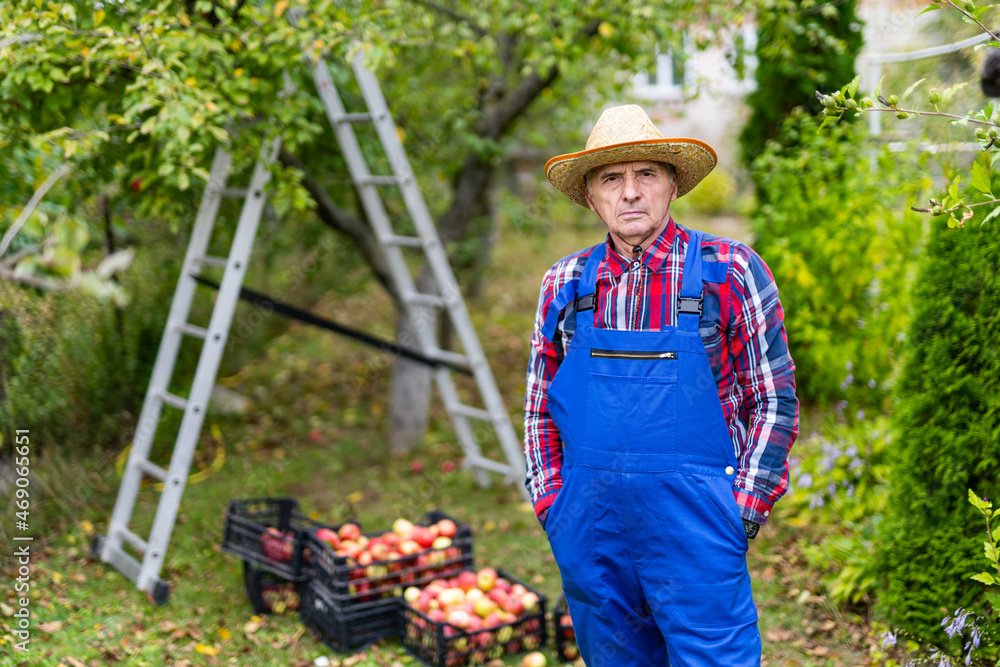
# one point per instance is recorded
(802, 46)
(840, 489)
(948, 420)
(75, 372)
(836, 233)
(715, 195)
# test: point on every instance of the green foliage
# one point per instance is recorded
(842, 248)
(74, 368)
(715, 195)
(948, 419)
(802, 46)
(840, 489)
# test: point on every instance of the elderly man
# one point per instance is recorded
(659, 412)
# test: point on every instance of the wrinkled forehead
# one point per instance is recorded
(622, 167)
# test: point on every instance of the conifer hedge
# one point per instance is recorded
(947, 420)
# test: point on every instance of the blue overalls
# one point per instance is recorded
(646, 530)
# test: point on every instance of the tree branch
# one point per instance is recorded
(357, 229)
(455, 16)
(978, 22)
(917, 112)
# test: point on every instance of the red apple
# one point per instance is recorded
(437, 616)
(446, 528)
(518, 590)
(466, 580)
(416, 467)
(492, 620)
(328, 536)
(276, 545)
(499, 596)
(514, 606)
(503, 585)
(422, 536)
(390, 539)
(349, 531)
(408, 547)
(378, 551)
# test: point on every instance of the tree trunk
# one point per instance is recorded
(410, 393)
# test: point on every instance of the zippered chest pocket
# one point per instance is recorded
(656, 365)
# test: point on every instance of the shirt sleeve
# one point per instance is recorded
(769, 412)
(542, 443)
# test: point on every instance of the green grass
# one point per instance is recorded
(317, 431)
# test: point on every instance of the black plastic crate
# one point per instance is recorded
(353, 585)
(441, 644)
(347, 630)
(562, 630)
(270, 593)
(247, 536)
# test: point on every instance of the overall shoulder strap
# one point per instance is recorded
(582, 290)
(690, 300)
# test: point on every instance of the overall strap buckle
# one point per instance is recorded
(687, 305)
(586, 302)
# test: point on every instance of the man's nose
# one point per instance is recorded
(630, 190)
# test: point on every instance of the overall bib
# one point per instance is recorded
(646, 530)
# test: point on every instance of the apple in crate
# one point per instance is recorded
(350, 531)
(328, 536)
(535, 659)
(277, 545)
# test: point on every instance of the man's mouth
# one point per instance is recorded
(632, 214)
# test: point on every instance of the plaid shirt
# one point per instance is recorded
(742, 326)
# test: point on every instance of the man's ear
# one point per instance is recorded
(673, 187)
(590, 202)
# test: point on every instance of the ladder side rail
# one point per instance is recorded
(166, 356)
(438, 259)
(208, 367)
(466, 436)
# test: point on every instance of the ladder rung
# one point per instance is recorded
(133, 539)
(234, 192)
(469, 411)
(175, 401)
(151, 469)
(381, 180)
(352, 117)
(212, 260)
(425, 300)
(450, 357)
(192, 330)
(489, 464)
(409, 241)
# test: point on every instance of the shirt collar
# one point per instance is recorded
(654, 257)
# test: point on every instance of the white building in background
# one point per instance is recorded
(697, 93)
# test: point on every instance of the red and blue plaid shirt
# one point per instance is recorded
(742, 326)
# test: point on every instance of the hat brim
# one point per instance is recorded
(693, 160)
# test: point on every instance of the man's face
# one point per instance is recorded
(633, 199)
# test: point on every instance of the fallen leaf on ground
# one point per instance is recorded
(829, 625)
(167, 626)
(205, 649)
(820, 651)
(51, 626)
(73, 662)
(778, 635)
(252, 626)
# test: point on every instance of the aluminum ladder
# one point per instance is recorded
(448, 297)
(146, 573)
(109, 548)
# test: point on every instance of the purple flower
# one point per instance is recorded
(888, 639)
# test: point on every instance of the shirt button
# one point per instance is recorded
(767, 512)
(729, 470)
(635, 264)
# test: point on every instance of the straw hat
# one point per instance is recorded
(625, 134)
